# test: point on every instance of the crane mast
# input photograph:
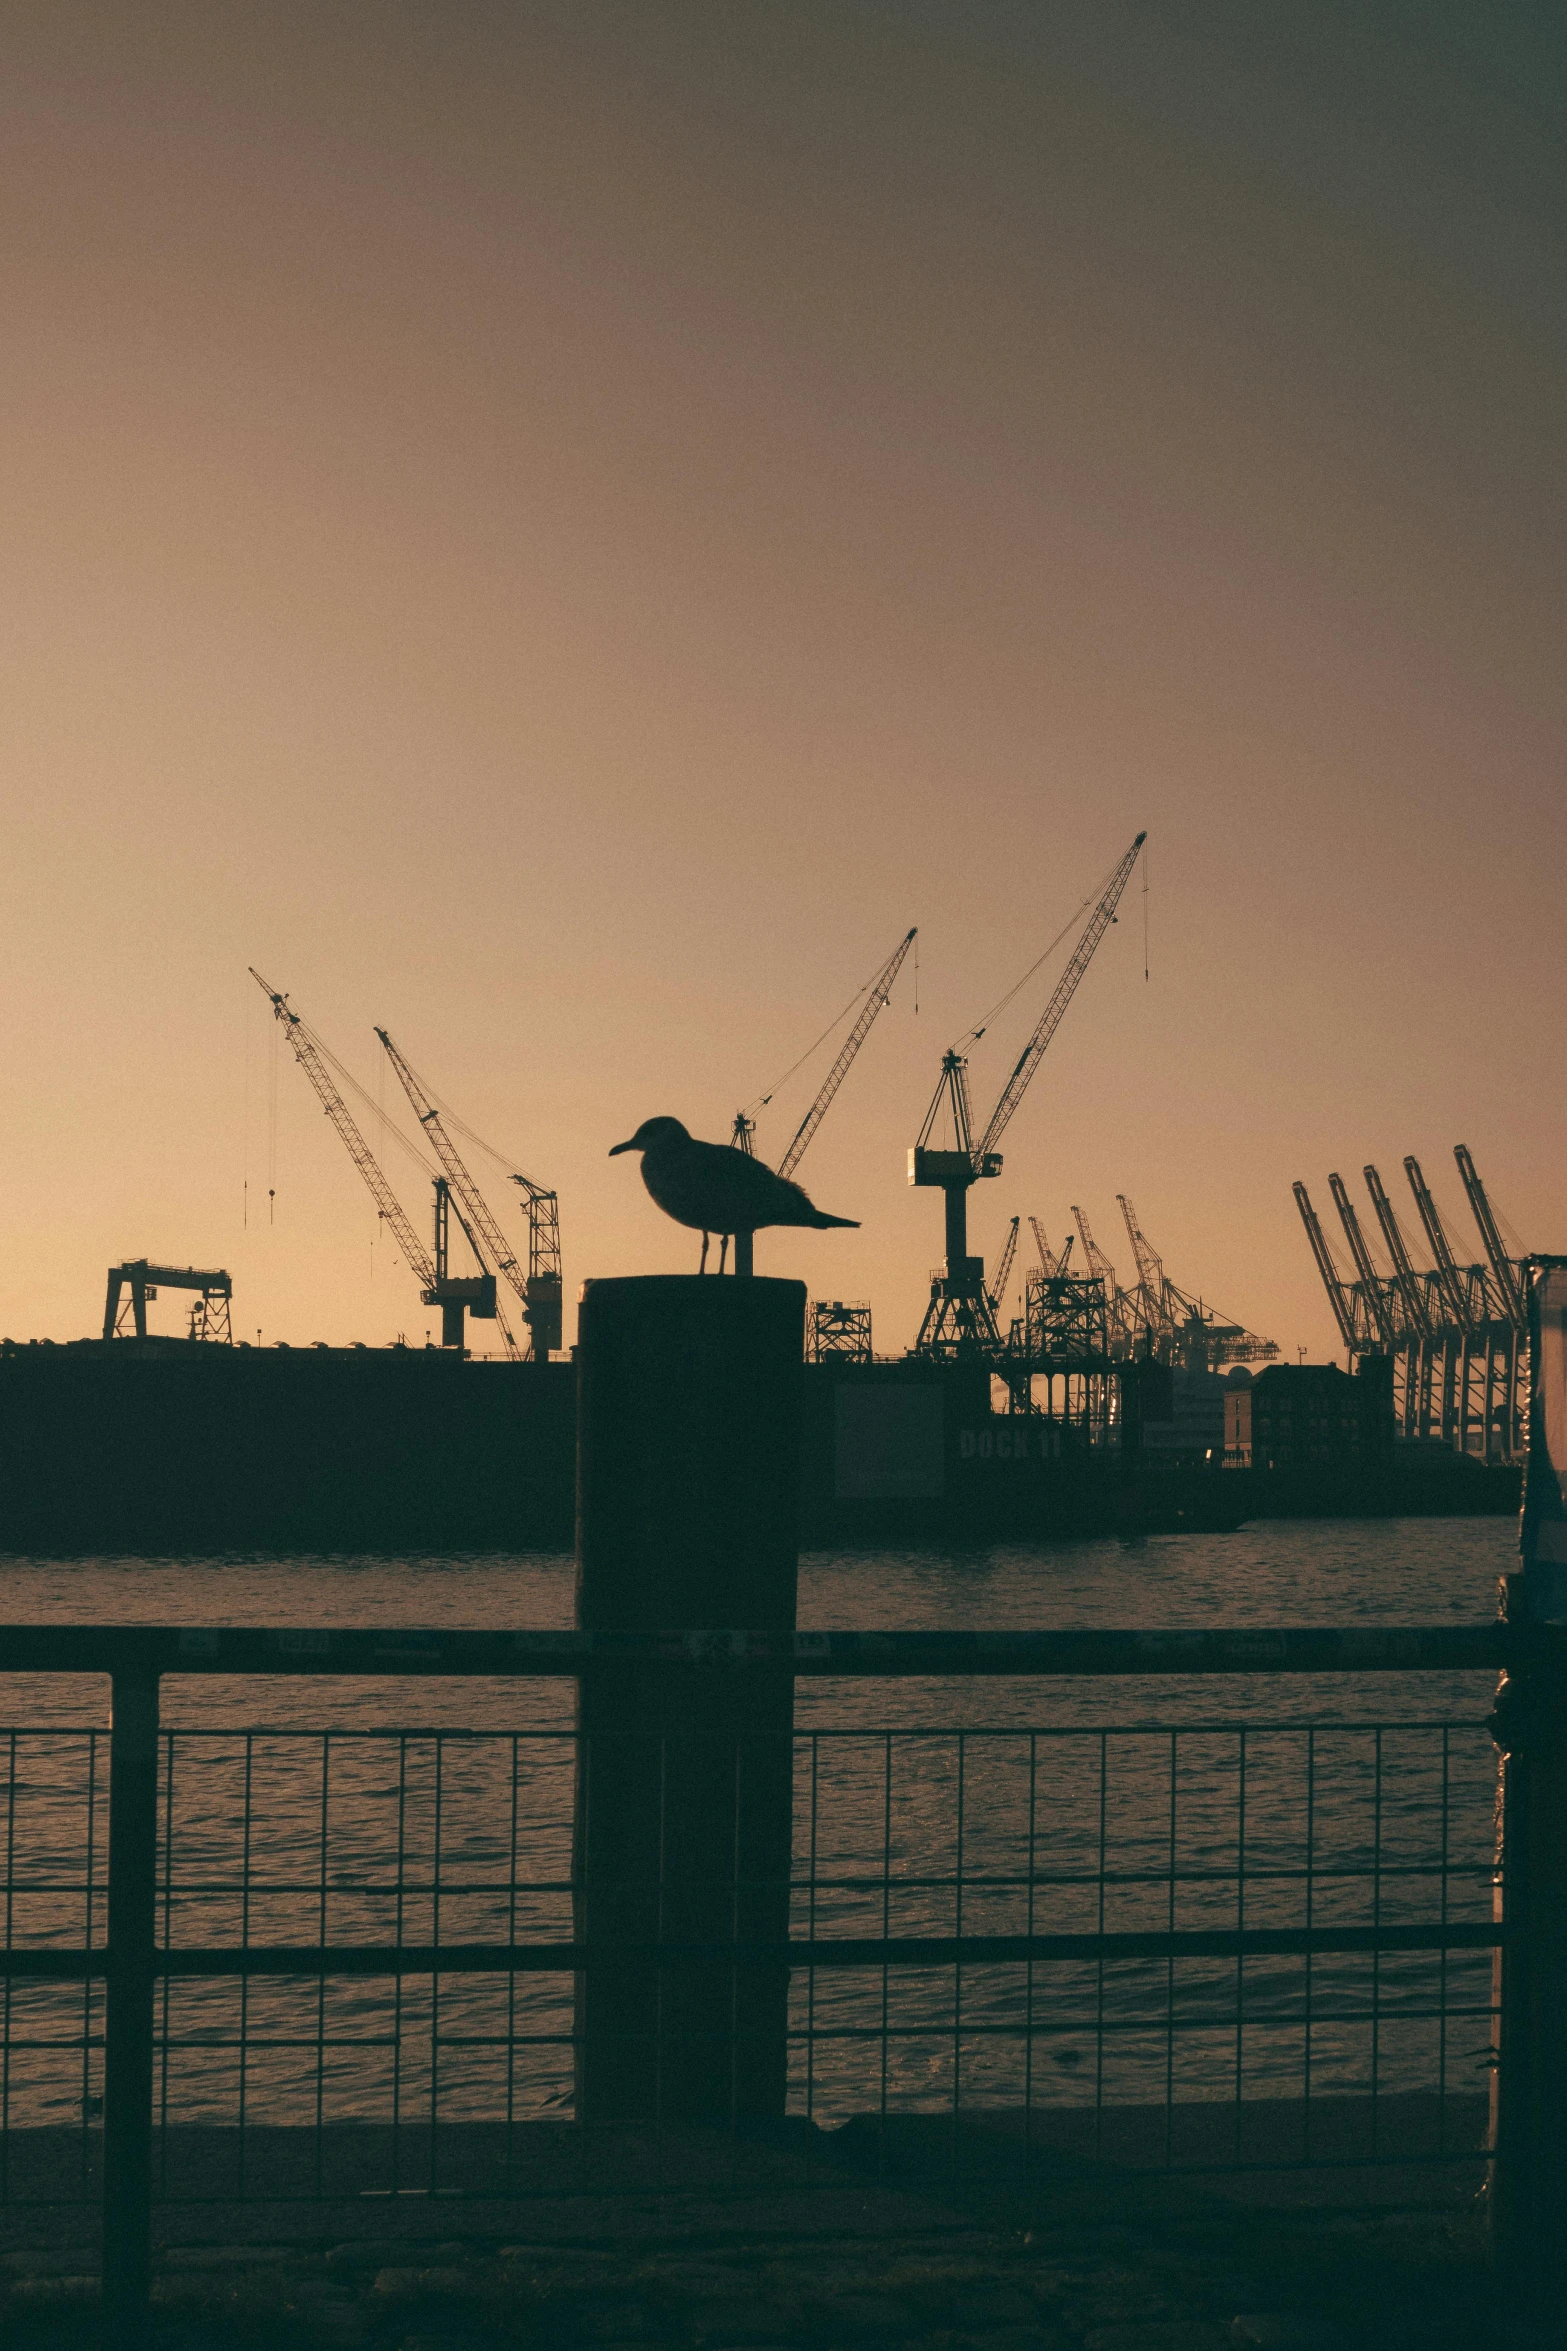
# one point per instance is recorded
(959, 1319)
(454, 1295)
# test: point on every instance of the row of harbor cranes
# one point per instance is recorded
(1456, 1333)
(1076, 1311)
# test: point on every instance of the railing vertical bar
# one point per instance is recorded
(1169, 1973)
(89, 1989)
(1240, 1923)
(324, 1837)
(128, 2009)
(397, 1980)
(1032, 1863)
(433, 2158)
(247, 1800)
(1376, 1956)
(957, 1972)
(165, 1989)
(1099, 2004)
(10, 1981)
(1310, 1988)
(810, 1914)
(511, 1978)
(1442, 1966)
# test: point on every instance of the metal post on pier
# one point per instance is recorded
(1529, 2077)
(1529, 2080)
(129, 2008)
(689, 1404)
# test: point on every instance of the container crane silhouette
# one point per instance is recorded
(455, 1294)
(960, 1320)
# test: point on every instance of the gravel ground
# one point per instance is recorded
(1201, 2280)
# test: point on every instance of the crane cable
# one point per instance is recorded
(761, 1100)
(449, 1117)
(974, 1034)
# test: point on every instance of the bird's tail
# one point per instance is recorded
(821, 1219)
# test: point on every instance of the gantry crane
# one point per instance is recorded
(1177, 1326)
(1410, 1287)
(1151, 1299)
(1452, 1333)
(539, 1288)
(1054, 1265)
(1373, 1288)
(1503, 1267)
(998, 1288)
(1450, 1279)
(1332, 1280)
(455, 1295)
(959, 1319)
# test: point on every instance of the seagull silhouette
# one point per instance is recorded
(714, 1188)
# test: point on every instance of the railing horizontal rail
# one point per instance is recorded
(361, 1959)
(227, 1649)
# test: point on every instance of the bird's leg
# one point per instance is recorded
(702, 1268)
(723, 1251)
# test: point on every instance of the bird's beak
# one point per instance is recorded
(617, 1148)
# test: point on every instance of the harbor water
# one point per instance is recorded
(922, 1808)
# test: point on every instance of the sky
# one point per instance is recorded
(563, 530)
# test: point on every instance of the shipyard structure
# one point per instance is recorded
(1048, 1393)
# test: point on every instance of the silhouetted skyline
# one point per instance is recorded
(564, 530)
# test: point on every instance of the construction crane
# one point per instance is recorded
(539, 1288)
(875, 997)
(1046, 1256)
(998, 1288)
(455, 1295)
(959, 1319)
(501, 1254)
(1502, 1266)
(1332, 1280)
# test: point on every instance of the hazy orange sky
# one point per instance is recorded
(564, 529)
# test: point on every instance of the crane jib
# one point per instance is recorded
(1050, 1019)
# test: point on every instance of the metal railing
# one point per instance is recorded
(326, 1963)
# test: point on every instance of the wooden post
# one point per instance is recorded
(689, 1402)
(128, 2009)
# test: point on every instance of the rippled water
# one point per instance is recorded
(929, 1807)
